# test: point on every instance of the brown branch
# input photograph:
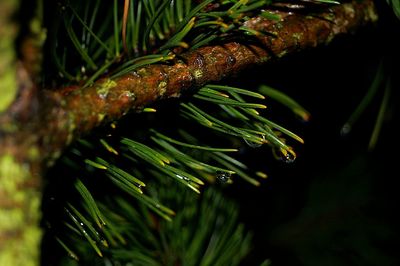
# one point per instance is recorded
(35, 130)
(68, 116)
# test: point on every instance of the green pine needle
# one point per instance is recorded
(159, 135)
(80, 227)
(395, 4)
(286, 101)
(151, 28)
(366, 100)
(90, 203)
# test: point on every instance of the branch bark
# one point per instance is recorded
(35, 129)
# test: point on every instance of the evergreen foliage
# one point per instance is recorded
(100, 38)
(154, 194)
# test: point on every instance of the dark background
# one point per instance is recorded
(337, 204)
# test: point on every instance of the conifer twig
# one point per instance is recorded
(69, 116)
(35, 130)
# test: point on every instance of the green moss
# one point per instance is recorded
(33, 154)
(349, 9)
(8, 84)
(19, 222)
(198, 74)
(104, 88)
(278, 25)
(11, 173)
(100, 117)
(129, 95)
(282, 54)
(9, 127)
(142, 72)
(297, 36)
(162, 88)
(264, 59)
(71, 127)
(8, 88)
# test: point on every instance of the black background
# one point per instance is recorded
(337, 204)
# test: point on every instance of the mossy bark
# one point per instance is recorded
(20, 189)
(20, 180)
(8, 32)
(20, 213)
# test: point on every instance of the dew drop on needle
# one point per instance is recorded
(223, 177)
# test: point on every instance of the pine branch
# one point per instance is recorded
(205, 231)
(70, 115)
(35, 129)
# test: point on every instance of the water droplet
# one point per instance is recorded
(183, 178)
(73, 256)
(85, 233)
(252, 144)
(81, 224)
(231, 60)
(223, 177)
(103, 241)
(345, 129)
(158, 206)
(288, 156)
(103, 95)
(255, 144)
(129, 95)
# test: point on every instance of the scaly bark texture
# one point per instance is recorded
(36, 128)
